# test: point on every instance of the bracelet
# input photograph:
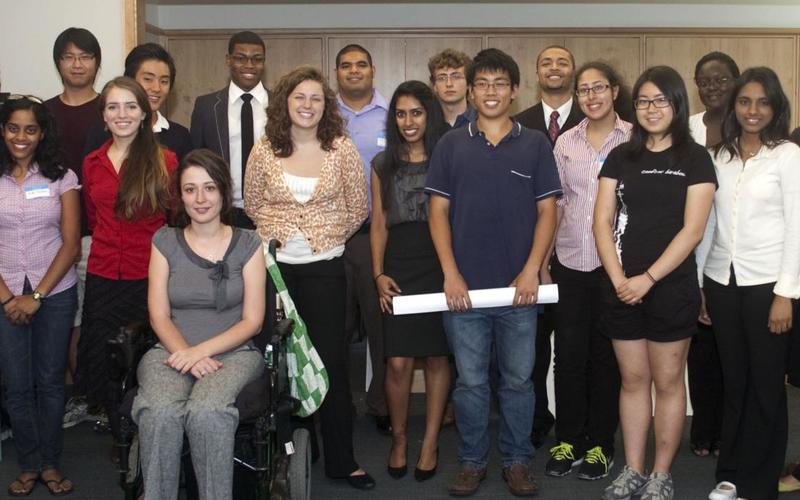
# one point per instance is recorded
(647, 273)
(378, 276)
(7, 300)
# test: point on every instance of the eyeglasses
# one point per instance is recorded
(704, 83)
(598, 89)
(241, 59)
(454, 77)
(659, 102)
(484, 85)
(16, 97)
(71, 58)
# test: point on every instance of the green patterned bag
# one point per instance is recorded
(307, 375)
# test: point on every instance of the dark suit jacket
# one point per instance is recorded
(209, 127)
(533, 118)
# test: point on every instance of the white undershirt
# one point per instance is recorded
(259, 104)
(296, 249)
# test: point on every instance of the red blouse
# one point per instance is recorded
(120, 248)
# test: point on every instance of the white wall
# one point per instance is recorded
(751, 14)
(29, 28)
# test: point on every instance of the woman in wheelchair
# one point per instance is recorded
(206, 301)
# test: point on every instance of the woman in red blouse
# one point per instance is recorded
(126, 192)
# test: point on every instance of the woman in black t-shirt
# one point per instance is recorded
(653, 201)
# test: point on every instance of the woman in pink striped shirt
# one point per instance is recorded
(586, 373)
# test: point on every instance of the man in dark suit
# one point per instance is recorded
(555, 114)
(229, 121)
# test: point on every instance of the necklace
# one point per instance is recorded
(214, 248)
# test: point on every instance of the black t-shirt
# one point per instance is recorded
(651, 201)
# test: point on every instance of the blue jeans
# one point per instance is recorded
(471, 334)
(32, 359)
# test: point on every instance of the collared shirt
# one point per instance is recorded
(464, 118)
(259, 103)
(578, 167)
(161, 123)
(120, 248)
(336, 209)
(757, 223)
(493, 191)
(30, 228)
(367, 129)
(563, 113)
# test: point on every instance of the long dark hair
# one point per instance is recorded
(623, 105)
(776, 131)
(47, 152)
(279, 124)
(144, 181)
(220, 173)
(435, 126)
(670, 83)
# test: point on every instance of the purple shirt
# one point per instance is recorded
(367, 129)
(578, 167)
(30, 228)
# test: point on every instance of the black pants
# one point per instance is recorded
(586, 373)
(361, 284)
(754, 421)
(542, 418)
(705, 388)
(318, 293)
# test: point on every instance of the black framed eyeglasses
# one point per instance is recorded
(598, 89)
(705, 83)
(659, 102)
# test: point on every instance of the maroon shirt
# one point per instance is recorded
(73, 124)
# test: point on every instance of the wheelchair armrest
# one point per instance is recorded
(282, 330)
(126, 348)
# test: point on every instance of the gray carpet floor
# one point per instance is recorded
(86, 461)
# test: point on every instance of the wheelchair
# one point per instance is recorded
(271, 461)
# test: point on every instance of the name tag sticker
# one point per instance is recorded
(381, 141)
(34, 192)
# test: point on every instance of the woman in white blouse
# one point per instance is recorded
(751, 275)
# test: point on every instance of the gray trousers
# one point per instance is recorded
(169, 404)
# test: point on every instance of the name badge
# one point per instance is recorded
(381, 141)
(34, 192)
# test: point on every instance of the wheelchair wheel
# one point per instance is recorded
(300, 466)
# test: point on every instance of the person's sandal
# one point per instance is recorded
(27, 486)
(701, 449)
(57, 481)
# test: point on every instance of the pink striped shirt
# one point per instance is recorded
(578, 166)
(30, 228)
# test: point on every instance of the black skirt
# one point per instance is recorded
(107, 306)
(410, 259)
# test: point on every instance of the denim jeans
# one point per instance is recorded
(471, 334)
(32, 359)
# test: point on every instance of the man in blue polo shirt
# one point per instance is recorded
(492, 211)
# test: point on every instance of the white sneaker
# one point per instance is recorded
(723, 491)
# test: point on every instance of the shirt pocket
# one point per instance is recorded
(518, 185)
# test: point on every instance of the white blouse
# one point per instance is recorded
(757, 220)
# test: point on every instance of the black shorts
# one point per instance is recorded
(667, 313)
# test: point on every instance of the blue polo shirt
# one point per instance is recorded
(493, 192)
(464, 119)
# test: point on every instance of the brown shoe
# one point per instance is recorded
(520, 480)
(466, 481)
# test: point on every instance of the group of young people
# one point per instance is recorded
(604, 191)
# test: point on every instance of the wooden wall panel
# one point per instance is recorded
(623, 53)
(419, 50)
(388, 57)
(524, 50)
(683, 52)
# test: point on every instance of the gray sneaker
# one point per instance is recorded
(659, 487)
(628, 483)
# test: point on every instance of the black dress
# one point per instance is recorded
(410, 259)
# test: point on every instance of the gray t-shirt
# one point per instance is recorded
(205, 297)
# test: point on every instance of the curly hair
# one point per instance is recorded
(279, 124)
(448, 58)
(144, 181)
(47, 154)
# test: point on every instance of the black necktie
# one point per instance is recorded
(247, 132)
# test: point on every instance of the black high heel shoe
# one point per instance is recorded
(398, 472)
(422, 474)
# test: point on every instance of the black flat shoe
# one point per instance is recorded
(361, 482)
(397, 472)
(422, 474)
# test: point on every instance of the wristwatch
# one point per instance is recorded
(37, 296)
